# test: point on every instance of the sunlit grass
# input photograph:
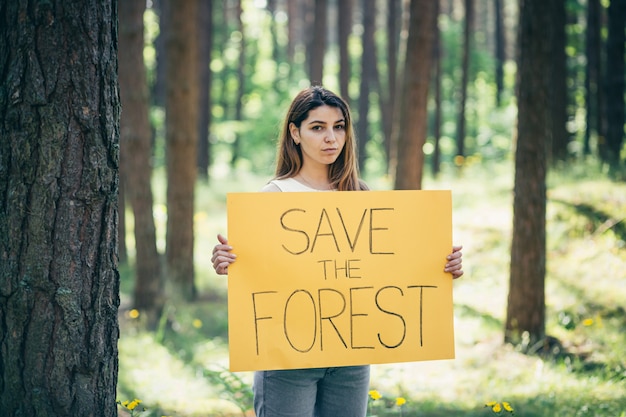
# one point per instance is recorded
(165, 382)
(585, 289)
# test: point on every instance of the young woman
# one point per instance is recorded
(316, 152)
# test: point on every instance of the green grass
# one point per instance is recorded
(180, 369)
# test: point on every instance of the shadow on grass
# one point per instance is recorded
(599, 220)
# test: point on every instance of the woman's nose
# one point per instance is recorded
(330, 136)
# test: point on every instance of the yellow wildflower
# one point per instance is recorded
(133, 404)
(125, 403)
(375, 395)
(400, 401)
(491, 403)
(133, 314)
(496, 408)
(507, 406)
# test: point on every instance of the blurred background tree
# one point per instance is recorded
(136, 151)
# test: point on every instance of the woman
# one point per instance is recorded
(316, 152)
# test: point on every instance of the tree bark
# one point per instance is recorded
(182, 136)
(467, 46)
(413, 106)
(615, 84)
(437, 55)
(241, 84)
(279, 55)
(293, 38)
(343, 35)
(159, 88)
(318, 43)
(559, 137)
(136, 153)
(205, 46)
(368, 62)
(500, 41)
(593, 69)
(387, 95)
(59, 160)
(525, 320)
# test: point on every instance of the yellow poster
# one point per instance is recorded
(339, 278)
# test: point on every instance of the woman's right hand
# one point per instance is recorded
(222, 256)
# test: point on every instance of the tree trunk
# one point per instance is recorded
(223, 33)
(559, 137)
(293, 18)
(136, 152)
(593, 69)
(344, 30)
(159, 88)
(279, 55)
(615, 83)
(182, 133)
(500, 42)
(387, 96)
(467, 46)
(437, 45)
(368, 62)
(413, 105)
(318, 43)
(525, 321)
(59, 159)
(205, 45)
(276, 50)
(241, 85)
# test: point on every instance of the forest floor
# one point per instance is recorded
(181, 369)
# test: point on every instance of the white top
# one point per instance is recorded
(292, 184)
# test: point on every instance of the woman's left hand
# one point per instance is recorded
(455, 262)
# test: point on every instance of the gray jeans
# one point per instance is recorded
(317, 392)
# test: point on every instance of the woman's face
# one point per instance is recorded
(321, 135)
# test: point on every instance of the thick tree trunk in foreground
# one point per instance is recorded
(59, 283)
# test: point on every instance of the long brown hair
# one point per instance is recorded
(344, 172)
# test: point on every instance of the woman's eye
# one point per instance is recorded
(340, 127)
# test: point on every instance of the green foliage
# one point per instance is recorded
(151, 32)
(270, 82)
